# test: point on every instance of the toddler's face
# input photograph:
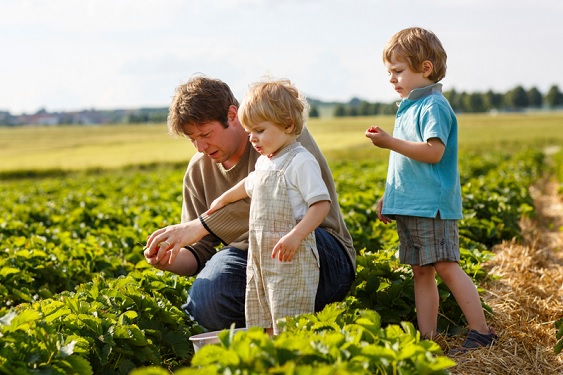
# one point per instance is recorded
(403, 79)
(268, 139)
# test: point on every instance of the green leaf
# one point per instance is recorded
(215, 354)
(132, 333)
(79, 365)
(127, 317)
(177, 341)
(23, 319)
(5, 271)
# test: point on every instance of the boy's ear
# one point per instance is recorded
(427, 68)
(289, 128)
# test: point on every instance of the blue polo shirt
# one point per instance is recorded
(421, 189)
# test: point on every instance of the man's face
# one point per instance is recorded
(214, 140)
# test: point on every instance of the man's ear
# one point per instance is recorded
(427, 68)
(232, 114)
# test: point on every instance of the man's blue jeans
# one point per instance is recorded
(216, 298)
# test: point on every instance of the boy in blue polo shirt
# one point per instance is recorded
(423, 193)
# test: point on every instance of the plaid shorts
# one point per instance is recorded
(426, 240)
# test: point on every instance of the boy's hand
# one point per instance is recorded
(378, 136)
(286, 248)
(384, 219)
(215, 205)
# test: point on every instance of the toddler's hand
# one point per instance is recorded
(215, 205)
(286, 248)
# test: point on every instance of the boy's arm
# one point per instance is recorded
(234, 194)
(430, 151)
(287, 246)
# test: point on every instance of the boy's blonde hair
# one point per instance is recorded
(276, 101)
(415, 45)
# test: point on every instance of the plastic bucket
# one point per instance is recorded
(208, 338)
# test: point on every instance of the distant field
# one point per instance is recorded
(81, 147)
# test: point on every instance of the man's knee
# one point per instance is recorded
(214, 309)
(216, 297)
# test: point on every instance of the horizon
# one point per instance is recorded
(166, 107)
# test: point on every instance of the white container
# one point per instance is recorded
(208, 338)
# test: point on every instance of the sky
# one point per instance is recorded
(67, 55)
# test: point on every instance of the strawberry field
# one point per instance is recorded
(76, 295)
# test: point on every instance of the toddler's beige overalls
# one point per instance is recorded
(276, 289)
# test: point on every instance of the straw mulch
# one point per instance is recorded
(526, 298)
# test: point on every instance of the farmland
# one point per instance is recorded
(91, 147)
(77, 203)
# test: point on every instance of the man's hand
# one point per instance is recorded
(164, 244)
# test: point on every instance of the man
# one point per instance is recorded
(205, 111)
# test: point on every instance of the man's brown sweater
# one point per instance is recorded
(205, 180)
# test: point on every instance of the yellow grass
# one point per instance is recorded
(80, 147)
(527, 298)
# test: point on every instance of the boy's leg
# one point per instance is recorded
(216, 298)
(426, 300)
(465, 293)
(336, 273)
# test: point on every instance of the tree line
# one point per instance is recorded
(517, 99)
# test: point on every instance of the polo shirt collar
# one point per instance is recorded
(424, 91)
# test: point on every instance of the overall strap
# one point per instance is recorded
(291, 154)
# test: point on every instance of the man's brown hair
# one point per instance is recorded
(199, 101)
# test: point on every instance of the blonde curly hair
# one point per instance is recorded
(277, 101)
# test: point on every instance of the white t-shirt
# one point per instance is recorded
(304, 182)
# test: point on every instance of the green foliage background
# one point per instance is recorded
(77, 296)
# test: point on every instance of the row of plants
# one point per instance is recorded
(77, 294)
(105, 326)
(59, 233)
(338, 340)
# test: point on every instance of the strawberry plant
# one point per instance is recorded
(112, 325)
(336, 340)
(76, 292)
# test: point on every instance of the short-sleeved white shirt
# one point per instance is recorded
(303, 178)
